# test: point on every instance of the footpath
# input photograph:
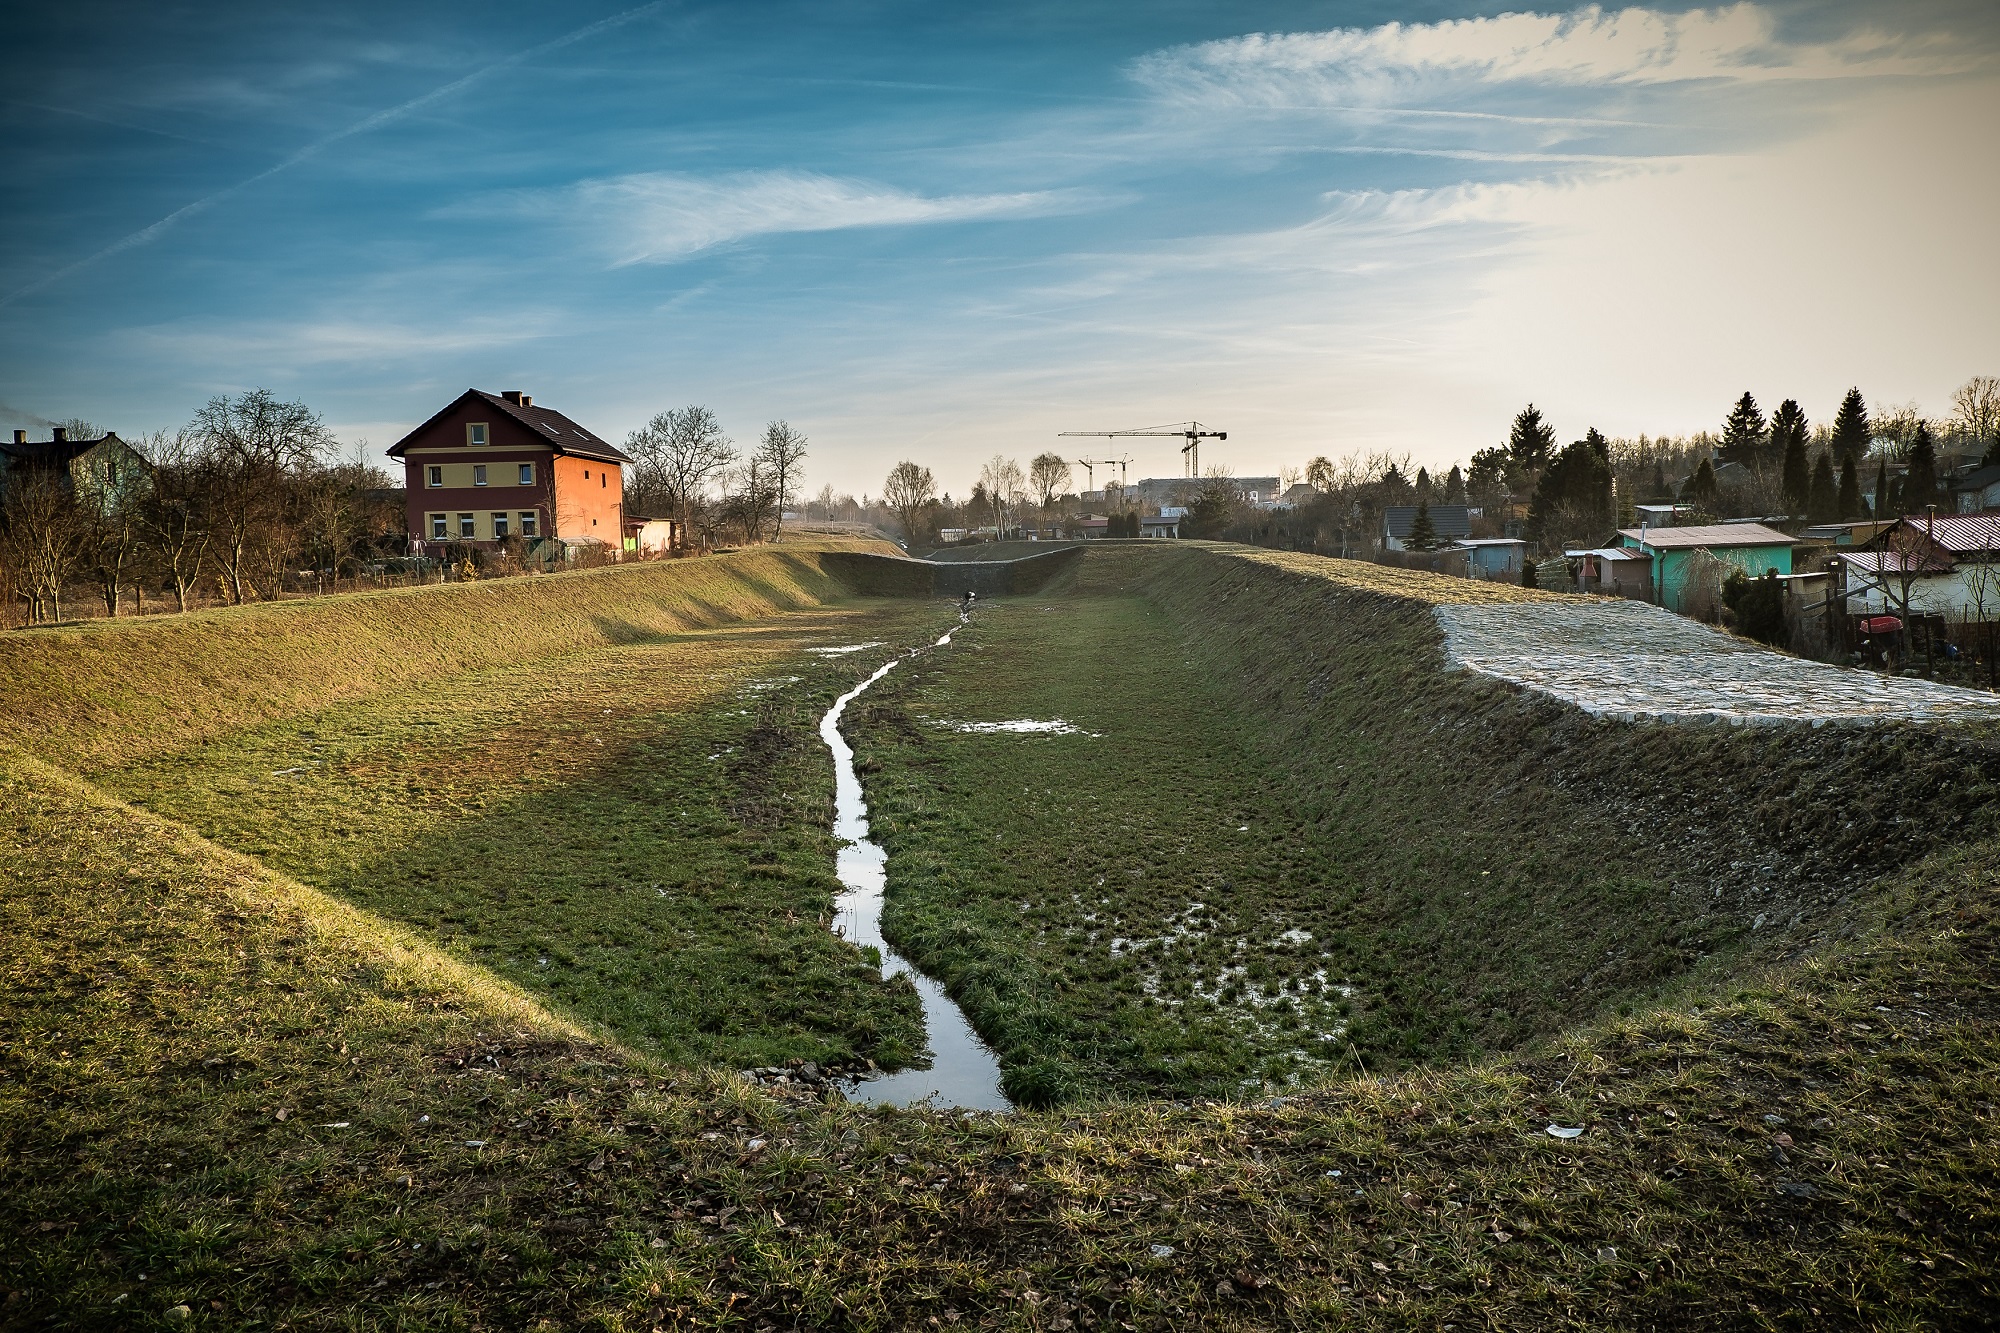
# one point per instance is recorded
(1634, 662)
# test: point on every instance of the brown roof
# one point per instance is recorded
(1709, 534)
(557, 429)
(1961, 533)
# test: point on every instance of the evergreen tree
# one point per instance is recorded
(1423, 537)
(1661, 493)
(1574, 498)
(1700, 490)
(1744, 435)
(1849, 506)
(1423, 484)
(1850, 427)
(1920, 483)
(1454, 486)
(1882, 505)
(1531, 444)
(1822, 496)
(1788, 442)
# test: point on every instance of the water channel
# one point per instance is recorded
(963, 1072)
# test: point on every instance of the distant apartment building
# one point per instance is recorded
(495, 466)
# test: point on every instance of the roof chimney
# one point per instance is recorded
(527, 401)
(513, 396)
(60, 435)
(20, 437)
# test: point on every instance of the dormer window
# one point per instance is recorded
(476, 433)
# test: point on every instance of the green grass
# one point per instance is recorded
(636, 834)
(1291, 845)
(250, 1082)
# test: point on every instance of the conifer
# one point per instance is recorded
(1823, 495)
(1744, 435)
(1423, 536)
(1850, 427)
(1788, 442)
(1849, 506)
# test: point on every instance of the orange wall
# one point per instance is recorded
(589, 501)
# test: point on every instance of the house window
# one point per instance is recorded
(586, 474)
(434, 476)
(438, 532)
(527, 522)
(527, 474)
(466, 528)
(603, 479)
(499, 527)
(476, 433)
(479, 474)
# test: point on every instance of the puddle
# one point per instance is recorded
(846, 648)
(1053, 727)
(964, 1072)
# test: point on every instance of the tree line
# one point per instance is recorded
(226, 508)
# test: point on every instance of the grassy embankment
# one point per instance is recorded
(166, 1000)
(1290, 842)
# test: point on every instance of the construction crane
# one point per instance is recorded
(1090, 466)
(1191, 431)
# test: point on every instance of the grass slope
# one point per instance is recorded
(116, 688)
(1810, 1152)
(1292, 843)
(228, 1099)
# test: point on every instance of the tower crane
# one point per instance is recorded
(1191, 431)
(1090, 466)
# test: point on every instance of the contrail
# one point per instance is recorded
(313, 149)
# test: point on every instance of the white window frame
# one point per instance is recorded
(479, 474)
(527, 474)
(468, 527)
(477, 433)
(499, 525)
(530, 521)
(433, 476)
(440, 527)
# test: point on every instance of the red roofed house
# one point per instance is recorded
(494, 466)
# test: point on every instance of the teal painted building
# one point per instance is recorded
(1751, 547)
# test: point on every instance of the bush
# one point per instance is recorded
(1759, 605)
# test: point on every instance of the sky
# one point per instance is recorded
(941, 232)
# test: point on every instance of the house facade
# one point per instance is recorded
(491, 467)
(1750, 547)
(103, 467)
(1947, 566)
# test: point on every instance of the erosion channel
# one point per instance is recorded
(963, 1071)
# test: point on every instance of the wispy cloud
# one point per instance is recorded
(154, 230)
(1589, 46)
(664, 217)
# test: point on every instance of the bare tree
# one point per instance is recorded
(1003, 480)
(175, 517)
(1049, 475)
(42, 538)
(825, 501)
(781, 453)
(254, 442)
(676, 454)
(908, 490)
(1975, 409)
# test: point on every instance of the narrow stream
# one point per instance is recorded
(964, 1072)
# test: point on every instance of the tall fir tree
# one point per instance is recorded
(1423, 535)
(1788, 442)
(1920, 482)
(1454, 486)
(1850, 427)
(1885, 503)
(1423, 483)
(1823, 495)
(1532, 441)
(1744, 434)
(1701, 490)
(1660, 494)
(1849, 506)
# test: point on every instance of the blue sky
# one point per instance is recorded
(944, 231)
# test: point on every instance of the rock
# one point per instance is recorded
(180, 1314)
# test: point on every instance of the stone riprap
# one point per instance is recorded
(1634, 662)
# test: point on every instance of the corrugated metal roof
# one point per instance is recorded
(1709, 534)
(1963, 533)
